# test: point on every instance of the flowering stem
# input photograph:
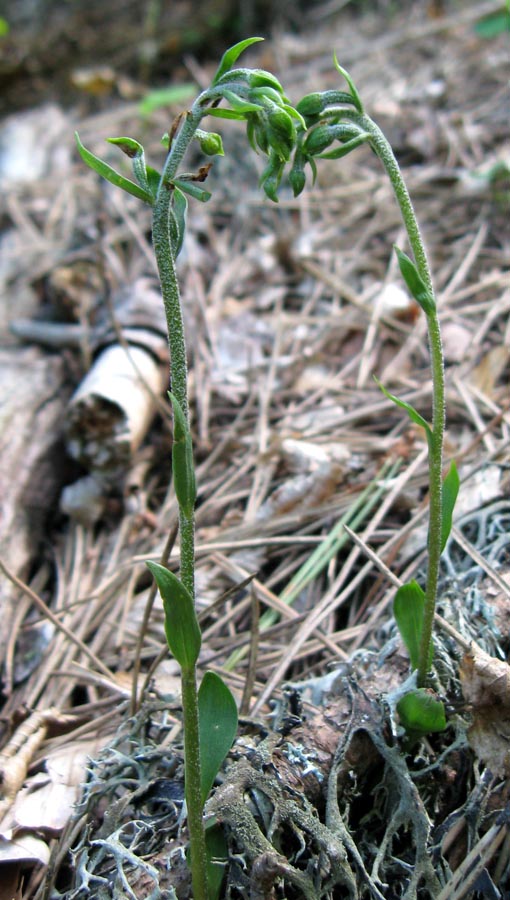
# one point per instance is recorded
(383, 150)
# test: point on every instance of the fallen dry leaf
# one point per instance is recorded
(486, 687)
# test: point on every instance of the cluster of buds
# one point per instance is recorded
(327, 124)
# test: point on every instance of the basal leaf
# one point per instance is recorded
(410, 410)
(421, 712)
(112, 175)
(408, 609)
(451, 486)
(217, 853)
(415, 283)
(217, 712)
(181, 624)
(231, 55)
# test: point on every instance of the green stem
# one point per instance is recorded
(383, 150)
(179, 383)
(192, 784)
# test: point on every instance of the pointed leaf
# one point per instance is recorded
(410, 410)
(112, 175)
(408, 609)
(217, 712)
(181, 624)
(346, 148)
(421, 712)
(356, 99)
(240, 105)
(193, 188)
(451, 486)
(221, 113)
(231, 55)
(415, 283)
(183, 465)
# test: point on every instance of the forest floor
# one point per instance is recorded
(290, 311)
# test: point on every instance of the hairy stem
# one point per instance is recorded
(387, 157)
(179, 383)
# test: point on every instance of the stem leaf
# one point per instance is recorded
(408, 609)
(181, 624)
(415, 283)
(182, 461)
(420, 712)
(231, 56)
(451, 486)
(111, 175)
(356, 99)
(217, 712)
(413, 414)
(192, 188)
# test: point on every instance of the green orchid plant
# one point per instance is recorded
(323, 125)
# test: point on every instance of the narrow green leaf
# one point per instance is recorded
(182, 461)
(181, 624)
(421, 712)
(193, 188)
(451, 486)
(240, 105)
(346, 148)
(356, 99)
(153, 178)
(231, 56)
(219, 112)
(410, 410)
(177, 220)
(217, 712)
(216, 849)
(415, 283)
(112, 175)
(408, 609)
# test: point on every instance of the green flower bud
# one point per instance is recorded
(271, 177)
(313, 105)
(297, 177)
(319, 139)
(210, 143)
(281, 132)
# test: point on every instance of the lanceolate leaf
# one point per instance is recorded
(231, 55)
(420, 712)
(451, 486)
(415, 283)
(192, 188)
(182, 461)
(112, 175)
(217, 712)
(410, 410)
(356, 99)
(181, 625)
(408, 608)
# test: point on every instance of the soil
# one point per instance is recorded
(290, 310)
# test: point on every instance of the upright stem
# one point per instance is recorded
(179, 383)
(387, 157)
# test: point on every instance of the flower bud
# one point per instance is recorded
(297, 177)
(319, 139)
(313, 105)
(281, 132)
(210, 143)
(271, 177)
